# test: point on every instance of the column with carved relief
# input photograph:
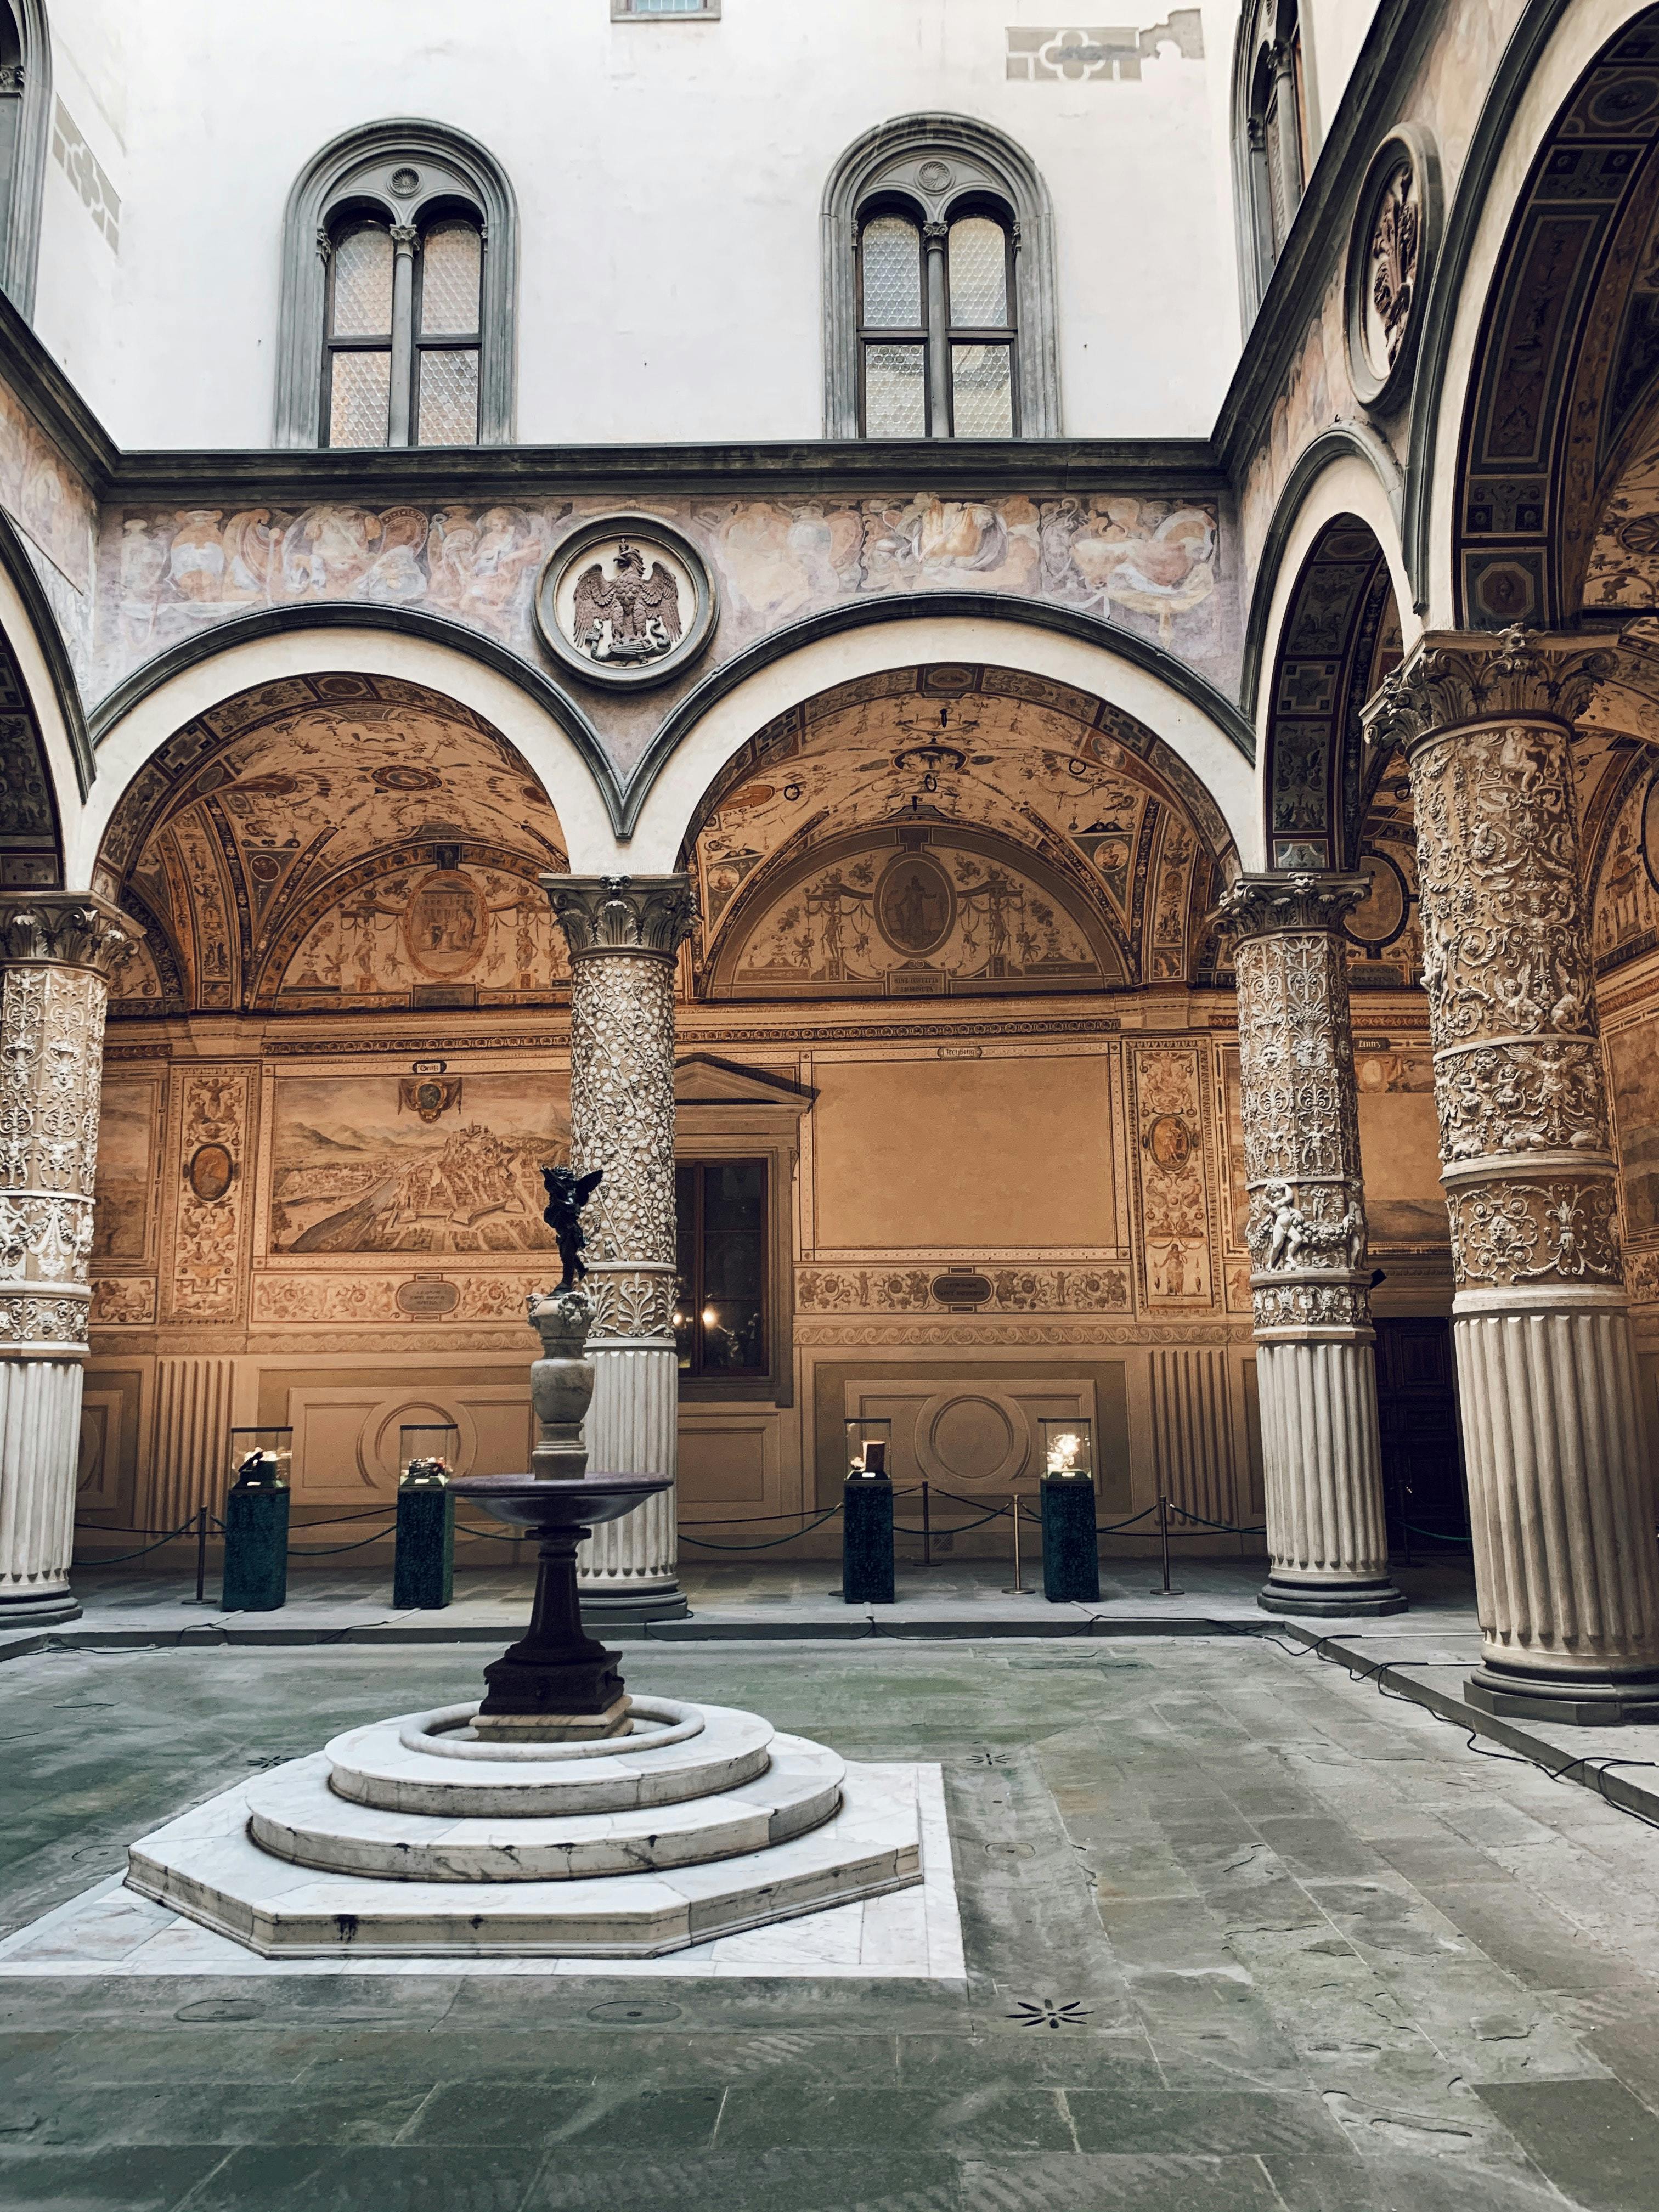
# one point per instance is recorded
(1310, 1282)
(1561, 1490)
(624, 934)
(56, 948)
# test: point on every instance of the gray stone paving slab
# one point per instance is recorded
(1240, 1932)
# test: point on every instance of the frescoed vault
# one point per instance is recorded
(331, 842)
(951, 829)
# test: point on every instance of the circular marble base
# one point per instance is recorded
(405, 1765)
(294, 1813)
(38, 1608)
(1521, 1694)
(451, 1732)
(1326, 1601)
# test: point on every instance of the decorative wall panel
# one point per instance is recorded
(1172, 1142)
(1194, 1451)
(209, 1268)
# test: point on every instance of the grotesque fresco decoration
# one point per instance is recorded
(915, 917)
(336, 841)
(1400, 1146)
(354, 1172)
(1174, 1192)
(1092, 850)
(44, 496)
(1151, 565)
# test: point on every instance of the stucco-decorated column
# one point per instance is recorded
(56, 948)
(624, 934)
(1561, 1493)
(1309, 1283)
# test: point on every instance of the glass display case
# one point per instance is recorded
(869, 1443)
(1068, 1446)
(260, 1459)
(427, 1452)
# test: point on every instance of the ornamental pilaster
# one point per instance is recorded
(1560, 1485)
(1309, 1280)
(56, 952)
(624, 933)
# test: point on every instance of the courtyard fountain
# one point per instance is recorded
(556, 1815)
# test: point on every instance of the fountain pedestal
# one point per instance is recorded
(557, 1684)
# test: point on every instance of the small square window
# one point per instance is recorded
(665, 11)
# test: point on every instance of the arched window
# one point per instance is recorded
(25, 110)
(397, 295)
(1272, 152)
(940, 287)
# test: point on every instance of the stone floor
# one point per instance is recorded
(1239, 1932)
(792, 1598)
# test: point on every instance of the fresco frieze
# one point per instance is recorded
(1151, 565)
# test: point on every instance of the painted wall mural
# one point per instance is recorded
(128, 1159)
(1400, 1146)
(1152, 565)
(1633, 1064)
(336, 841)
(369, 1164)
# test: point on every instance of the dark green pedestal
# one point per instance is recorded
(423, 1572)
(256, 1549)
(1070, 1551)
(867, 1541)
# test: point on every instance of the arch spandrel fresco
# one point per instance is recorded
(1064, 846)
(336, 843)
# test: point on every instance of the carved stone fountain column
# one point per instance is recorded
(56, 948)
(1561, 1491)
(624, 934)
(1309, 1283)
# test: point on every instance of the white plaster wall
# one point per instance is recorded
(668, 177)
(1333, 32)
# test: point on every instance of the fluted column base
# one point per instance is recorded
(1327, 1531)
(1561, 1507)
(39, 1436)
(628, 1569)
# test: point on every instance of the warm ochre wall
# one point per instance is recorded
(963, 1152)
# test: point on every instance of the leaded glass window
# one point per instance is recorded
(936, 337)
(403, 331)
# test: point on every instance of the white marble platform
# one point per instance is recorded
(207, 1865)
(914, 1932)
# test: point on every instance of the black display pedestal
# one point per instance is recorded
(1070, 1550)
(423, 1570)
(256, 1549)
(867, 1541)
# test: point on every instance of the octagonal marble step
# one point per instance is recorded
(295, 1813)
(408, 1766)
(206, 1866)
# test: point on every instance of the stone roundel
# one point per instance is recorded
(1390, 250)
(625, 601)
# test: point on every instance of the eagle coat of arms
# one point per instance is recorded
(632, 617)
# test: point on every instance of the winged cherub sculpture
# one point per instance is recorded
(566, 1195)
(634, 617)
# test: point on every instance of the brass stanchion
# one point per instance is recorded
(1163, 1546)
(1019, 1588)
(201, 1552)
(926, 1531)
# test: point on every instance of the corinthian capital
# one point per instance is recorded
(71, 929)
(1457, 676)
(648, 914)
(1261, 906)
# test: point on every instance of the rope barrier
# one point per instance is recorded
(771, 1542)
(1438, 1536)
(144, 1551)
(1227, 1528)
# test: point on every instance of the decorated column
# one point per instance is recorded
(1561, 1494)
(624, 934)
(56, 948)
(1310, 1282)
